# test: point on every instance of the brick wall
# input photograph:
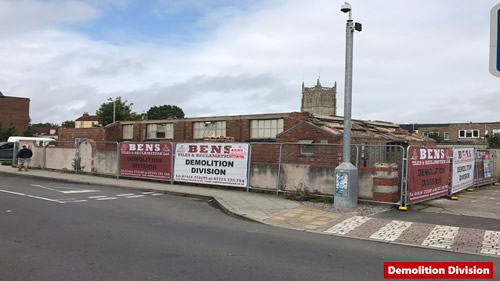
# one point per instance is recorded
(113, 132)
(453, 131)
(69, 134)
(15, 111)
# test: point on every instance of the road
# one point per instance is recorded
(58, 231)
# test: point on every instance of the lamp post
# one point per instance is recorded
(346, 174)
(114, 108)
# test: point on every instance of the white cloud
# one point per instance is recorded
(418, 61)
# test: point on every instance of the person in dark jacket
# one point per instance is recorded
(24, 156)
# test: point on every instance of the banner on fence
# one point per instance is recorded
(428, 173)
(146, 160)
(463, 169)
(212, 163)
(483, 168)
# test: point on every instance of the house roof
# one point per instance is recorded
(87, 117)
(334, 125)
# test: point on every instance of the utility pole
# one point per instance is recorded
(346, 174)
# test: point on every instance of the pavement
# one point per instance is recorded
(469, 225)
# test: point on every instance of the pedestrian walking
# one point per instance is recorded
(24, 156)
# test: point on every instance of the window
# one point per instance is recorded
(306, 147)
(446, 136)
(81, 124)
(128, 132)
(468, 133)
(92, 123)
(209, 129)
(160, 131)
(265, 128)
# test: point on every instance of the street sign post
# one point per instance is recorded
(494, 41)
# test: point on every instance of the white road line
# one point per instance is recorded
(44, 187)
(135, 196)
(94, 197)
(107, 198)
(391, 231)
(55, 188)
(441, 236)
(127, 194)
(347, 225)
(148, 192)
(79, 191)
(32, 196)
(491, 243)
(156, 194)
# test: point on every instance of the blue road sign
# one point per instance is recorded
(494, 41)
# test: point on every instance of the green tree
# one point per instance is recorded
(123, 111)
(435, 136)
(43, 125)
(494, 140)
(28, 132)
(5, 133)
(165, 112)
(68, 124)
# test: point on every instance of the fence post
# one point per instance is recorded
(249, 165)
(172, 162)
(44, 158)
(404, 202)
(77, 156)
(117, 160)
(279, 171)
(14, 153)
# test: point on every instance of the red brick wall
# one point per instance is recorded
(69, 134)
(15, 111)
(113, 132)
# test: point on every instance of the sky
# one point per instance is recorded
(415, 61)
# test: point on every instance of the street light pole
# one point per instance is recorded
(346, 174)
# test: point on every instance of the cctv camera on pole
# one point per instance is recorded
(346, 174)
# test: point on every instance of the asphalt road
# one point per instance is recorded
(57, 231)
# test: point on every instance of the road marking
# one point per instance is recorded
(347, 225)
(32, 196)
(158, 194)
(127, 194)
(135, 196)
(107, 198)
(72, 200)
(391, 231)
(79, 191)
(491, 243)
(148, 192)
(74, 190)
(441, 236)
(94, 197)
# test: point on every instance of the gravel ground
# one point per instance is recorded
(363, 209)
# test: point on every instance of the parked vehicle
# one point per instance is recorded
(6, 150)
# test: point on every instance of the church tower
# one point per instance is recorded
(319, 100)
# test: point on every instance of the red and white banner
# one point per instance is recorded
(146, 160)
(428, 173)
(212, 163)
(463, 169)
(438, 270)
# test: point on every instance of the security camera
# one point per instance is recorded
(346, 8)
